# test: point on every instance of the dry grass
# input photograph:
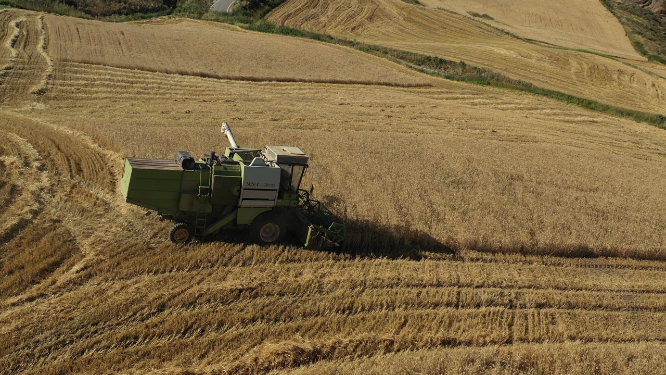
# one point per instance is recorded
(438, 32)
(90, 284)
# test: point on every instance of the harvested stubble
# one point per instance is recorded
(90, 284)
(575, 358)
(25, 65)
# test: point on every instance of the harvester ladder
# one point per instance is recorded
(204, 201)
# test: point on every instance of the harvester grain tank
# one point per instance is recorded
(258, 189)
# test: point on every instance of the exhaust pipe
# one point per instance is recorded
(227, 131)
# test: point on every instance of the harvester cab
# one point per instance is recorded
(250, 188)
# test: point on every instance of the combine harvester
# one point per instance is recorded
(254, 188)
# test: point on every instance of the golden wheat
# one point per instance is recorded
(219, 51)
(562, 181)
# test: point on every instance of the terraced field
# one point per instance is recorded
(455, 195)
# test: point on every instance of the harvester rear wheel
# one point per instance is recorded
(268, 228)
(181, 233)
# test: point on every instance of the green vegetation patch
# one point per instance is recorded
(48, 6)
(479, 15)
(245, 11)
(124, 10)
(192, 8)
(646, 30)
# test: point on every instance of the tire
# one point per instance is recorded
(181, 233)
(268, 228)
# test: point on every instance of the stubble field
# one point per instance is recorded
(456, 195)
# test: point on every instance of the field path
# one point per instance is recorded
(26, 64)
(222, 5)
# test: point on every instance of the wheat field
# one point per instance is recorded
(490, 231)
(171, 46)
(439, 32)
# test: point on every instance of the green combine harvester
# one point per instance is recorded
(245, 188)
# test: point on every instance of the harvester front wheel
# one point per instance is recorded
(268, 228)
(181, 233)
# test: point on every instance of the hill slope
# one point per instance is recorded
(91, 284)
(441, 33)
(566, 23)
(214, 50)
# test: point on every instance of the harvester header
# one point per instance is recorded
(257, 189)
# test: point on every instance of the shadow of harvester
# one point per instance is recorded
(367, 238)
(364, 239)
(370, 239)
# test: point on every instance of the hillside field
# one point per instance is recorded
(585, 24)
(172, 46)
(490, 231)
(460, 37)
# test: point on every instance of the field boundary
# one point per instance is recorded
(555, 46)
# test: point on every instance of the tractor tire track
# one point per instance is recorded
(10, 24)
(25, 174)
(29, 67)
(70, 183)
